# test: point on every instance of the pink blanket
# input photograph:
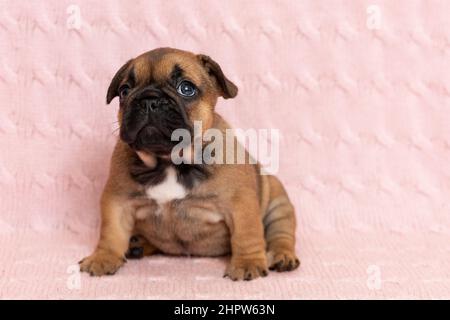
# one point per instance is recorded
(359, 92)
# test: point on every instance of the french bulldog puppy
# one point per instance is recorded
(152, 205)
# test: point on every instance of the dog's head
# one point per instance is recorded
(163, 90)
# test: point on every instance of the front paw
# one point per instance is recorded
(246, 268)
(101, 262)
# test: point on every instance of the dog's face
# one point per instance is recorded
(163, 90)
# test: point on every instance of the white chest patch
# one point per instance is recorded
(168, 190)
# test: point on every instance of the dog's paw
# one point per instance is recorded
(282, 260)
(246, 269)
(139, 247)
(101, 262)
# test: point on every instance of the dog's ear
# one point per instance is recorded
(115, 82)
(227, 88)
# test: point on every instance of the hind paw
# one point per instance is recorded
(282, 261)
(139, 247)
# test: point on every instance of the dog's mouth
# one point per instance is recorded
(151, 139)
(144, 129)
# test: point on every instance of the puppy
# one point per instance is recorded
(150, 204)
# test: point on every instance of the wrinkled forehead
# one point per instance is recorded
(160, 67)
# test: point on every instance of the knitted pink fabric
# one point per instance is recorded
(360, 91)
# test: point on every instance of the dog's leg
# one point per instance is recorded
(139, 247)
(279, 226)
(117, 225)
(248, 256)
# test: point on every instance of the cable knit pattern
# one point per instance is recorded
(360, 92)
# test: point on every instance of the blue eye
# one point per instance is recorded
(186, 89)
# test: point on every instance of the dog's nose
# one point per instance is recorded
(154, 104)
(151, 104)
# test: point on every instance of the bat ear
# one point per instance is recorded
(227, 88)
(113, 90)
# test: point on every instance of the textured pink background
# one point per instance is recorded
(365, 151)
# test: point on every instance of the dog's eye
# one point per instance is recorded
(124, 91)
(186, 89)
